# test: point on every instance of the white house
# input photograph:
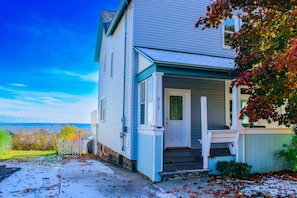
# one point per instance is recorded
(165, 100)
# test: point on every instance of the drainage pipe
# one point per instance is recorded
(124, 127)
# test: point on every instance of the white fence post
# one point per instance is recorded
(70, 147)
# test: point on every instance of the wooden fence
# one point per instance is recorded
(70, 147)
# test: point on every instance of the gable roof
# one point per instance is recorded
(109, 21)
(120, 11)
(106, 17)
(158, 56)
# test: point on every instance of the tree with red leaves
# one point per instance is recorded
(266, 61)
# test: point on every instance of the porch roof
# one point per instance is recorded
(158, 56)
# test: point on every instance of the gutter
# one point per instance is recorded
(124, 127)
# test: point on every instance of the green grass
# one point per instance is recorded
(20, 153)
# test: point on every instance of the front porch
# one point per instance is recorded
(157, 160)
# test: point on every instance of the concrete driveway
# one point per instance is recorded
(86, 177)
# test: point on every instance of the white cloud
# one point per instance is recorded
(92, 76)
(18, 85)
(28, 111)
(58, 107)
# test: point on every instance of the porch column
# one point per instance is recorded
(157, 100)
(236, 107)
(204, 140)
(157, 124)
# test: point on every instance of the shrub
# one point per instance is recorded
(289, 154)
(234, 169)
(5, 141)
(38, 140)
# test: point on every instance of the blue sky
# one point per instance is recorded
(47, 68)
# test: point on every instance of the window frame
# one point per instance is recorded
(146, 102)
(104, 62)
(142, 103)
(111, 63)
(228, 100)
(236, 29)
(103, 109)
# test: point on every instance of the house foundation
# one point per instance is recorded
(111, 156)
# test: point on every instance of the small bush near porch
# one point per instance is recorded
(289, 154)
(234, 169)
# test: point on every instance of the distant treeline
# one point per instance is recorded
(40, 139)
(49, 127)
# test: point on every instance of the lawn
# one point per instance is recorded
(20, 153)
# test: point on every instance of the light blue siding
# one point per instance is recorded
(159, 156)
(146, 164)
(259, 150)
(134, 109)
(145, 154)
(213, 161)
(169, 25)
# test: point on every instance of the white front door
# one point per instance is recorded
(177, 118)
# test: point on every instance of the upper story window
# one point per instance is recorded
(230, 26)
(104, 63)
(111, 64)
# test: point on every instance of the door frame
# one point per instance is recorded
(188, 111)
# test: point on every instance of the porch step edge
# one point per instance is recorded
(184, 174)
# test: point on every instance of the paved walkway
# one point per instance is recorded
(46, 177)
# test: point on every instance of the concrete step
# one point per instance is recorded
(184, 174)
(182, 153)
(182, 156)
(182, 166)
(182, 159)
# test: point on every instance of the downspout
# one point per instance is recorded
(124, 127)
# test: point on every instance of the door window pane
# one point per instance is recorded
(176, 107)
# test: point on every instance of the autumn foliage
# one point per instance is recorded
(5, 141)
(266, 61)
(37, 140)
(72, 133)
(41, 139)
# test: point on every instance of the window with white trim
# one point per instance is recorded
(230, 26)
(244, 98)
(104, 63)
(103, 109)
(146, 102)
(111, 64)
(142, 100)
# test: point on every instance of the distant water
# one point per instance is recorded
(50, 127)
